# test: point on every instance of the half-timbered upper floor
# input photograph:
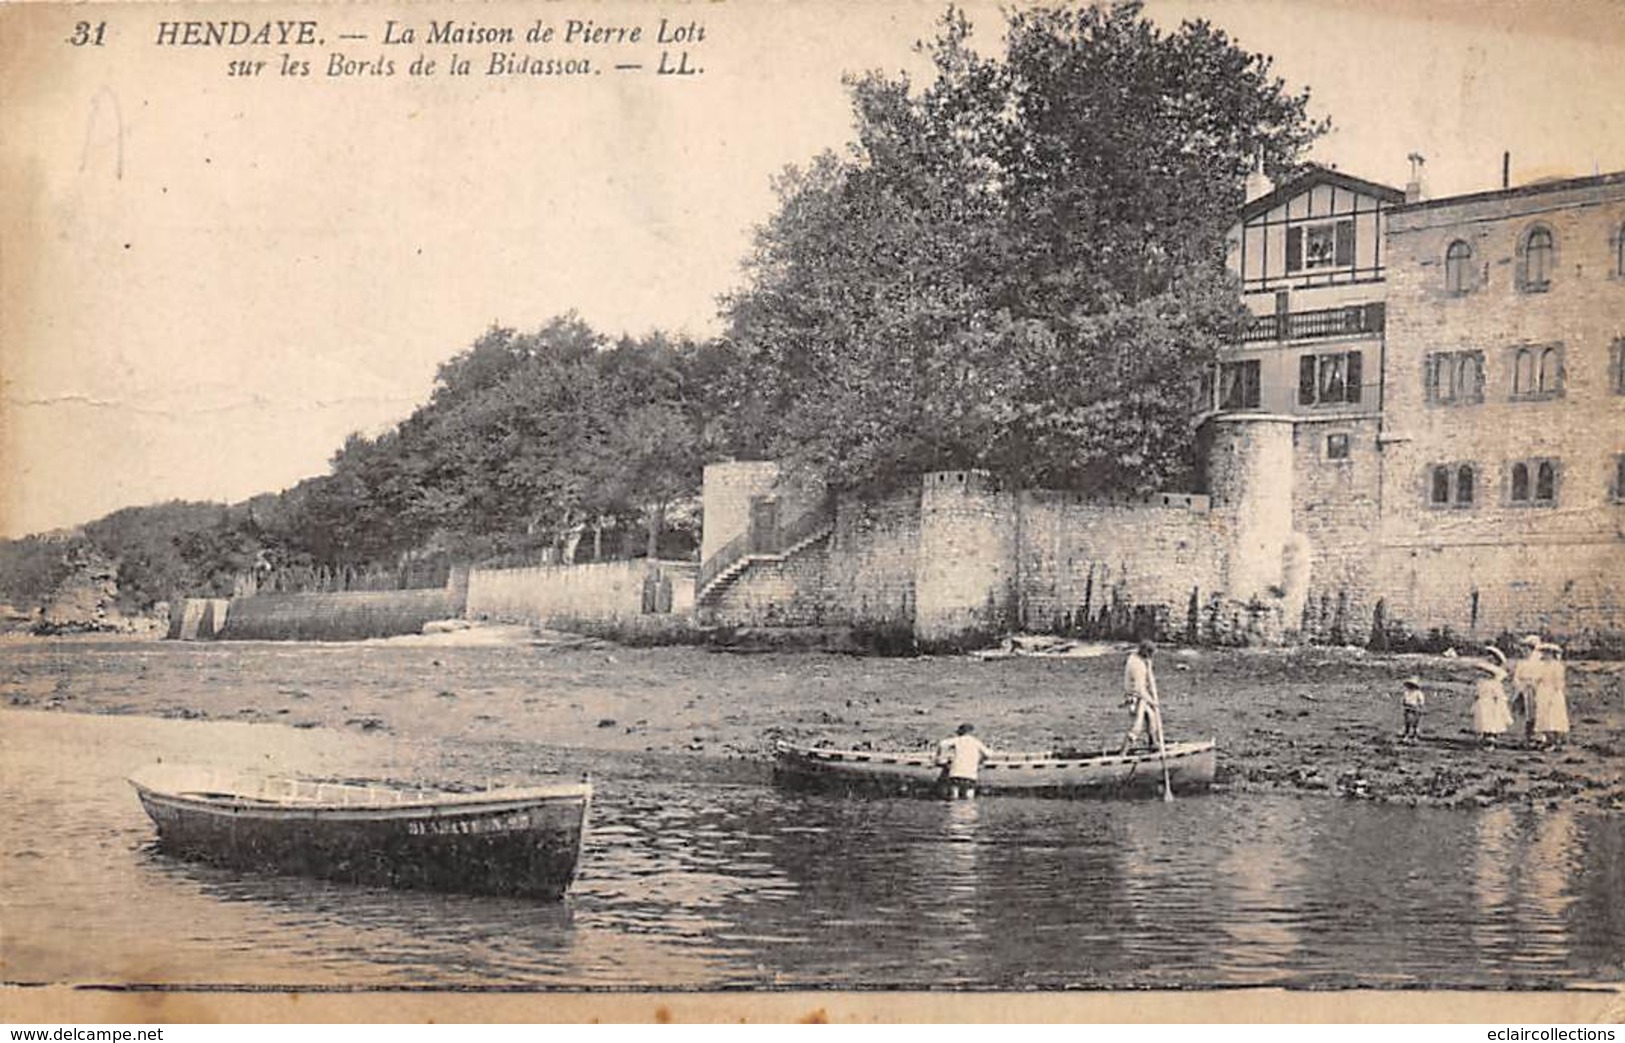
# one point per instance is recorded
(1322, 228)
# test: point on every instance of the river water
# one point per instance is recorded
(700, 875)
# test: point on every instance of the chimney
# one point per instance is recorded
(1413, 187)
(1257, 183)
(1506, 170)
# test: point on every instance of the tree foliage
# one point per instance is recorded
(527, 440)
(1020, 266)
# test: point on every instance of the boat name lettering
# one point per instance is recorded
(456, 826)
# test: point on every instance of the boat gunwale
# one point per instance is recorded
(441, 805)
(997, 760)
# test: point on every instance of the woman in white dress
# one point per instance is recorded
(1491, 718)
(1551, 697)
(1524, 674)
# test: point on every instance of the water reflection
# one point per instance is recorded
(1258, 872)
(1541, 897)
(407, 938)
(1494, 851)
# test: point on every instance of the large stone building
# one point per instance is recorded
(1423, 429)
(1503, 420)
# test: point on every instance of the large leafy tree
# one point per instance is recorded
(1020, 266)
(528, 440)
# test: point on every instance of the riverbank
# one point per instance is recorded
(1316, 721)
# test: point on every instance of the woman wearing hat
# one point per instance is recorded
(1550, 717)
(1525, 672)
(1491, 718)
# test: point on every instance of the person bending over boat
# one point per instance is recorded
(961, 758)
(1140, 696)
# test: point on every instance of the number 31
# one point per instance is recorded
(85, 33)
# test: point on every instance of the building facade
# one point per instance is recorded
(1312, 257)
(1504, 410)
(1451, 371)
(1421, 433)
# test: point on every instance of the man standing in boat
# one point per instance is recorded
(1140, 696)
(961, 758)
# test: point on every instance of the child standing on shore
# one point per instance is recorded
(1413, 702)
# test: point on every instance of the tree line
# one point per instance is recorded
(1019, 266)
(531, 445)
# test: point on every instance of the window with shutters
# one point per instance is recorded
(1329, 244)
(1239, 385)
(1533, 483)
(1325, 380)
(1453, 378)
(1616, 366)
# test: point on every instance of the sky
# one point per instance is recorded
(207, 282)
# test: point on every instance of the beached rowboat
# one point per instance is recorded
(516, 841)
(1053, 774)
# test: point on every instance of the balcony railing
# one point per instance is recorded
(1353, 320)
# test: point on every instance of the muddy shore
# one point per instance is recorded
(1320, 722)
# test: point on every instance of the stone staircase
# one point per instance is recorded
(735, 559)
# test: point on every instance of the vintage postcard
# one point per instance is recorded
(527, 511)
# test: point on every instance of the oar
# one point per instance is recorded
(1162, 752)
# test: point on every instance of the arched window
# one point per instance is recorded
(1458, 265)
(1550, 377)
(1539, 259)
(1545, 481)
(1467, 381)
(1520, 482)
(1441, 485)
(1464, 484)
(1523, 372)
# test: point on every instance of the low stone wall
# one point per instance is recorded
(1118, 567)
(1570, 591)
(603, 591)
(958, 560)
(872, 562)
(337, 617)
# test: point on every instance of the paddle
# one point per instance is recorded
(1162, 752)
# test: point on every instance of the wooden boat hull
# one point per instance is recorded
(1191, 767)
(522, 843)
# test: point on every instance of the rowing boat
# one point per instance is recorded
(1190, 766)
(523, 842)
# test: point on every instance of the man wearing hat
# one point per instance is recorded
(1413, 701)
